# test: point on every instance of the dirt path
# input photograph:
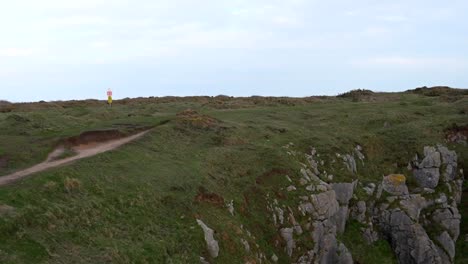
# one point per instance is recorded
(82, 151)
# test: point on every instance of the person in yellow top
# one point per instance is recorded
(109, 97)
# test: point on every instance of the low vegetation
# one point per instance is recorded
(138, 204)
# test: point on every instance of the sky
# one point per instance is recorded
(60, 50)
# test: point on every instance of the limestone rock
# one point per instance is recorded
(431, 159)
(358, 211)
(340, 218)
(413, 205)
(408, 239)
(230, 207)
(427, 177)
(246, 245)
(287, 235)
(395, 184)
(370, 188)
(291, 188)
(324, 205)
(449, 219)
(447, 244)
(449, 159)
(343, 191)
(212, 244)
(350, 163)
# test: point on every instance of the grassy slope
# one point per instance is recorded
(136, 204)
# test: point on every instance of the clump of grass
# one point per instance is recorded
(50, 185)
(72, 185)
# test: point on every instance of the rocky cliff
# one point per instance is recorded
(416, 212)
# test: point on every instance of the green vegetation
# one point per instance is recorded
(138, 204)
(379, 252)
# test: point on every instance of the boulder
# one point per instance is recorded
(427, 177)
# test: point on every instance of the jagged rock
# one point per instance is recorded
(395, 184)
(359, 154)
(306, 258)
(306, 208)
(343, 191)
(303, 181)
(313, 163)
(324, 205)
(350, 163)
(341, 217)
(344, 256)
(311, 188)
(431, 158)
(288, 178)
(291, 188)
(427, 177)
(447, 244)
(379, 191)
(409, 240)
(212, 244)
(246, 245)
(358, 212)
(370, 235)
(449, 159)
(449, 219)
(280, 213)
(322, 188)
(427, 172)
(230, 207)
(458, 190)
(287, 235)
(370, 188)
(413, 205)
(297, 227)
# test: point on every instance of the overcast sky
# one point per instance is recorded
(57, 49)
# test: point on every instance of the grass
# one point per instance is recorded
(136, 204)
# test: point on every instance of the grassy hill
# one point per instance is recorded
(138, 204)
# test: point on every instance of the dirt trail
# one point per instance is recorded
(82, 152)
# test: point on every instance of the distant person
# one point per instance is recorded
(109, 97)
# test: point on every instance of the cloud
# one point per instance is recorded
(15, 52)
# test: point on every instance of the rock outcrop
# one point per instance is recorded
(211, 243)
(421, 223)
